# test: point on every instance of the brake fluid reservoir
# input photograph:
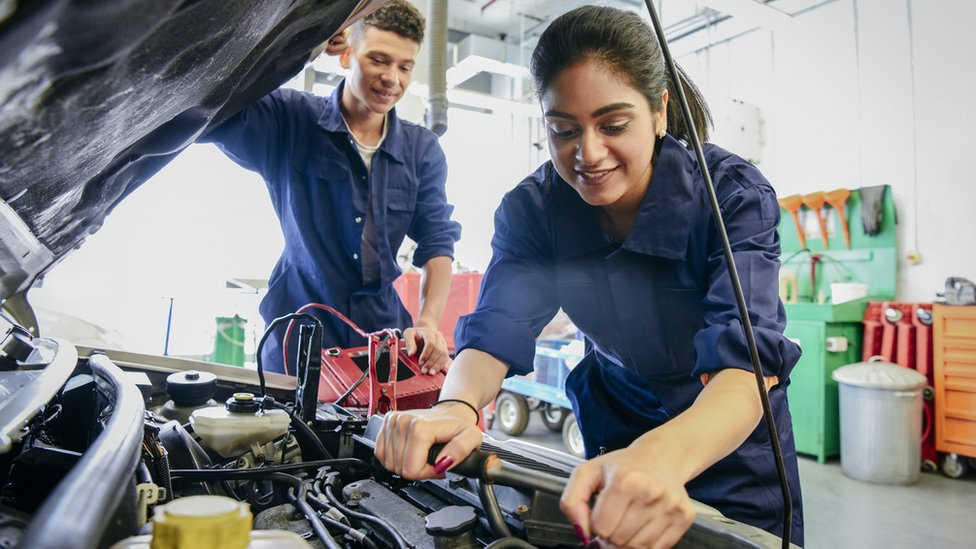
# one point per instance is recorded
(230, 430)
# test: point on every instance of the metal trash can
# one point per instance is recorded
(880, 421)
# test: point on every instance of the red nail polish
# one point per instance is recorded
(443, 465)
(584, 539)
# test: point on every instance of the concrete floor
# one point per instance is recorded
(841, 513)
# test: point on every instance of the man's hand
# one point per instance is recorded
(338, 43)
(432, 347)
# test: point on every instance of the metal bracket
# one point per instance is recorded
(148, 494)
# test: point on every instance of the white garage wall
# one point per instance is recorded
(842, 108)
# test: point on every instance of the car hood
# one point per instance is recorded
(96, 97)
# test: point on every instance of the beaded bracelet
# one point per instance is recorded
(477, 416)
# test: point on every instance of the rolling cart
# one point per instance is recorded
(544, 391)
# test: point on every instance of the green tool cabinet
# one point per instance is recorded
(813, 320)
(812, 392)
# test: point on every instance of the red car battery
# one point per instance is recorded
(391, 379)
(380, 377)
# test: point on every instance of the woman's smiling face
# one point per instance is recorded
(601, 135)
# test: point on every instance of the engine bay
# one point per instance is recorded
(94, 443)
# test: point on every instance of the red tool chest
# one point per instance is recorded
(460, 301)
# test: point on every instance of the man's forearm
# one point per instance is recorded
(435, 284)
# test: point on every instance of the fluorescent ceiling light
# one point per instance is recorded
(471, 65)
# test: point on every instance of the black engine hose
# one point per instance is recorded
(489, 504)
(203, 475)
(163, 474)
(387, 528)
(300, 501)
(306, 432)
(356, 535)
(103, 476)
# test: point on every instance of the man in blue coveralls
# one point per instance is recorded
(349, 180)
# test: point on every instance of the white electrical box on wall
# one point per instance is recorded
(739, 129)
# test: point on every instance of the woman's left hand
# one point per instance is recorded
(639, 500)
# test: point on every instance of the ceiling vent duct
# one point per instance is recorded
(476, 54)
(437, 63)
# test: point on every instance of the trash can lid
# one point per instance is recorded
(877, 374)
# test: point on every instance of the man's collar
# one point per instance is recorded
(664, 221)
(331, 120)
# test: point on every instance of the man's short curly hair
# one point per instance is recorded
(398, 16)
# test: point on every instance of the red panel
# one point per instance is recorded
(922, 319)
(872, 330)
(898, 337)
(460, 301)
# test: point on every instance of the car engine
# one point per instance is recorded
(94, 442)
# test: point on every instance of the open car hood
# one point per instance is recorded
(96, 97)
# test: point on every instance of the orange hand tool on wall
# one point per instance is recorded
(837, 199)
(792, 204)
(815, 201)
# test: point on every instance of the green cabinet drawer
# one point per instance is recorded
(812, 392)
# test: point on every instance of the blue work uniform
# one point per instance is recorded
(657, 311)
(300, 145)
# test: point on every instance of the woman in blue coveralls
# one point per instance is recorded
(617, 231)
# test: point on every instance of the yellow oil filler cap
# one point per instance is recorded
(202, 522)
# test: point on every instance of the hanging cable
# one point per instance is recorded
(733, 274)
(308, 307)
(267, 332)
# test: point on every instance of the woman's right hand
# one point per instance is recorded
(406, 437)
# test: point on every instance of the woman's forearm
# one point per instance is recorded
(722, 417)
(475, 377)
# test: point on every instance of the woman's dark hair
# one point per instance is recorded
(628, 47)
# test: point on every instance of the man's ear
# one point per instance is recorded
(344, 57)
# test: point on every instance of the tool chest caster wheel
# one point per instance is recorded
(955, 466)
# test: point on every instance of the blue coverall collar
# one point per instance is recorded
(331, 120)
(663, 224)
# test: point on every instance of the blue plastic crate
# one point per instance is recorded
(550, 363)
